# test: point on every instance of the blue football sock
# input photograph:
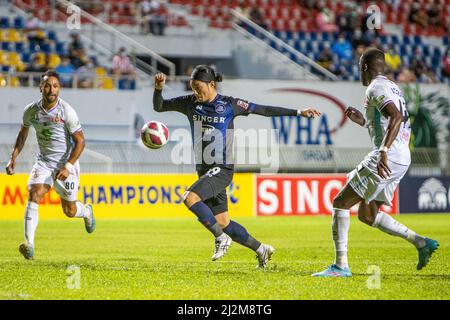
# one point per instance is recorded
(239, 234)
(206, 217)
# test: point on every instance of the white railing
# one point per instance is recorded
(270, 37)
(130, 41)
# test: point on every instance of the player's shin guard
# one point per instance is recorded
(206, 217)
(340, 227)
(239, 234)
(31, 219)
(387, 224)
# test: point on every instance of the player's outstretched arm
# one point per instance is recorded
(391, 112)
(158, 101)
(20, 142)
(270, 111)
(78, 138)
(355, 115)
(160, 105)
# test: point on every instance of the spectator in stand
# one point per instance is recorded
(446, 64)
(418, 15)
(34, 30)
(343, 49)
(242, 9)
(406, 76)
(77, 53)
(325, 58)
(393, 60)
(358, 40)
(86, 75)
(325, 20)
(36, 66)
(422, 72)
(257, 17)
(123, 70)
(158, 18)
(349, 20)
(435, 14)
(144, 12)
(66, 71)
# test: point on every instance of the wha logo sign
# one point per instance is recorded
(432, 195)
(299, 130)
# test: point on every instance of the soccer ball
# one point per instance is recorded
(154, 134)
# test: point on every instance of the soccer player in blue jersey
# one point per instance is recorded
(214, 113)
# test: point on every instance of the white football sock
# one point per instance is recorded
(387, 224)
(82, 210)
(340, 226)
(31, 219)
(260, 249)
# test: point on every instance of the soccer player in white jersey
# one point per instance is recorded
(61, 142)
(375, 179)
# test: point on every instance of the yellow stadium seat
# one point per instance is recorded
(41, 58)
(54, 61)
(100, 71)
(41, 34)
(2, 35)
(20, 67)
(14, 82)
(14, 36)
(2, 57)
(2, 81)
(108, 83)
(14, 59)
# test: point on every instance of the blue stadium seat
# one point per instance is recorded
(313, 36)
(384, 39)
(34, 47)
(19, 23)
(446, 41)
(309, 47)
(326, 36)
(288, 35)
(60, 48)
(26, 57)
(45, 47)
(51, 35)
(7, 46)
(394, 39)
(4, 22)
(5, 68)
(19, 46)
(302, 35)
(417, 40)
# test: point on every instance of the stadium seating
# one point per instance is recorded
(16, 52)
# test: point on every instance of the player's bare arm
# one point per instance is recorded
(391, 112)
(20, 142)
(355, 115)
(78, 138)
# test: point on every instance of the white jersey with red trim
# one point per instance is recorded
(380, 92)
(54, 130)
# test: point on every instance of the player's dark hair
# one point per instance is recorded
(374, 58)
(49, 73)
(206, 74)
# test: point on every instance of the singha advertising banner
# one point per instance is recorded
(425, 195)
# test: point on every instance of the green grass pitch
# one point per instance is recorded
(170, 259)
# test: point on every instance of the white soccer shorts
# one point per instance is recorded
(366, 182)
(67, 190)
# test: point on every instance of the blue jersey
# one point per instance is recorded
(211, 124)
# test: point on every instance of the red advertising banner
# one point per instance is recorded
(286, 195)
